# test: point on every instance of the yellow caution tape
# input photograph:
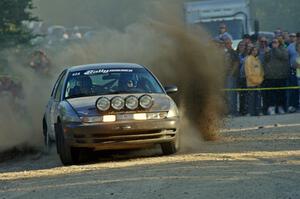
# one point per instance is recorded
(261, 89)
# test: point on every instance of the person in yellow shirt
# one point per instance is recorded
(254, 77)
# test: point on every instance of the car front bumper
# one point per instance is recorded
(121, 135)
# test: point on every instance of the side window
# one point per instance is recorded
(70, 85)
(59, 87)
(56, 83)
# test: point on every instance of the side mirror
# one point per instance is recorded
(171, 89)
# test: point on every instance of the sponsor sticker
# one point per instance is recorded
(105, 71)
(76, 74)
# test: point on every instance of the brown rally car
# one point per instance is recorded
(110, 106)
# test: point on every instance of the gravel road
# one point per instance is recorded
(257, 157)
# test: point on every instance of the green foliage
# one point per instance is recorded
(13, 14)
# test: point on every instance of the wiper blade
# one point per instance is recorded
(78, 95)
(113, 93)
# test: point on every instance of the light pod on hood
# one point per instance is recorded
(103, 104)
(132, 102)
(118, 103)
(146, 101)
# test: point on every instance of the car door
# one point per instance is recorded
(54, 102)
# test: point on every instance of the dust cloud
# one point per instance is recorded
(177, 54)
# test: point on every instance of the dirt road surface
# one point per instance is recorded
(255, 158)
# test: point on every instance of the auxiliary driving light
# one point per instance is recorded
(118, 103)
(103, 104)
(132, 102)
(146, 101)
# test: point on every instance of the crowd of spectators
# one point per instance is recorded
(262, 69)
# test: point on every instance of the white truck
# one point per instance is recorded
(210, 13)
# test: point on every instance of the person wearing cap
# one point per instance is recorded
(293, 95)
(223, 32)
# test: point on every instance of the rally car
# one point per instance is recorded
(110, 106)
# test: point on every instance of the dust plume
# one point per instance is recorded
(20, 117)
(177, 54)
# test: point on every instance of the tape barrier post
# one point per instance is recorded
(261, 89)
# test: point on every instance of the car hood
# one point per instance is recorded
(86, 106)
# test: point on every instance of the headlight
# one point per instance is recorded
(173, 112)
(132, 102)
(118, 103)
(146, 101)
(103, 104)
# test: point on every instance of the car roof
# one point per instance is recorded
(103, 66)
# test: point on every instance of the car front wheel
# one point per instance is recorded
(169, 148)
(67, 154)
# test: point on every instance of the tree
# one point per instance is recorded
(13, 16)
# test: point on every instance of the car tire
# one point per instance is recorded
(169, 148)
(67, 154)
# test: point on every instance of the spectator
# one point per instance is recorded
(276, 74)
(298, 62)
(263, 49)
(232, 63)
(293, 95)
(223, 32)
(278, 32)
(254, 76)
(254, 39)
(40, 62)
(293, 38)
(241, 51)
(286, 38)
(281, 41)
(247, 39)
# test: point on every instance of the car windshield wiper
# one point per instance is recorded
(114, 92)
(78, 95)
(124, 92)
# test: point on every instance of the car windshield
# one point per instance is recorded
(110, 81)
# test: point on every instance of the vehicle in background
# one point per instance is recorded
(57, 34)
(235, 14)
(110, 106)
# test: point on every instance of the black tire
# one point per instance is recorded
(67, 154)
(169, 148)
